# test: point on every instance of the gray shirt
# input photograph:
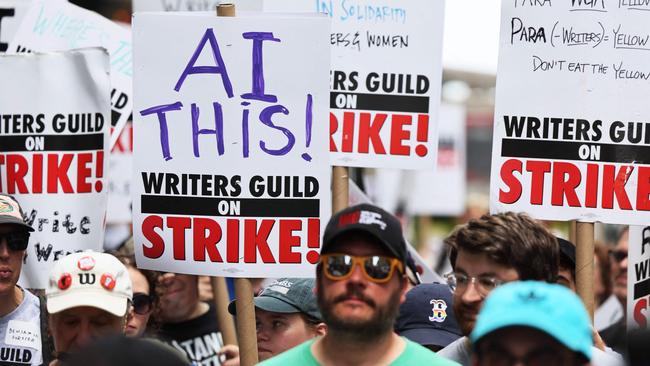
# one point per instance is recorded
(20, 334)
(461, 351)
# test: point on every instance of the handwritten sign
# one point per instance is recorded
(54, 25)
(638, 277)
(53, 141)
(230, 143)
(571, 131)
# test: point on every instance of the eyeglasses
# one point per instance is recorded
(484, 284)
(618, 255)
(376, 268)
(142, 303)
(16, 240)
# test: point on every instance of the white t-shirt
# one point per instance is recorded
(20, 334)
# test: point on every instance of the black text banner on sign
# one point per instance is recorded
(571, 130)
(53, 149)
(230, 144)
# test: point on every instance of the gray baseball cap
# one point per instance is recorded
(287, 295)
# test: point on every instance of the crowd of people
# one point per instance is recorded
(509, 300)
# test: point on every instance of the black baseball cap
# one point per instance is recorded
(286, 295)
(369, 219)
(11, 213)
(427, 316)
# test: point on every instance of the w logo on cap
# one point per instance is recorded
(439, 308)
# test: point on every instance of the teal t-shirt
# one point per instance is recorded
(413, 354)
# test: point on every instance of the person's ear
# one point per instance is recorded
(405, 288)
(321, 329)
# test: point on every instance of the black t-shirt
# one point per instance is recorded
(199, 338)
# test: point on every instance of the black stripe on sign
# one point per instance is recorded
(642, 289)
(380, 102)
(93, 141)
(569, 150)
(249, 207)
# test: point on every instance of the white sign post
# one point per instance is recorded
(53, 145)
(571, 132)
(231, 170)
(56, 25)
(638, 278)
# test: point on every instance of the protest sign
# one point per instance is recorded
(571, 131)
(231, 169)
(53, 25)
(442, 192)
(53, 144)
(638, 277)
(12, 13)
(385, 80)
(120, 167)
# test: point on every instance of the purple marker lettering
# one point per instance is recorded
(218, 131)
(220, 67)
(244, 130)
(162, 121)
(265, 118)
(258, 66)
(308, 122)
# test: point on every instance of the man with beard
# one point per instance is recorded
(493, 250)
(360, 283)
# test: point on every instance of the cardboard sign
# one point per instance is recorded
(571, 131)
(638, 277)
(232, 173)
(442, 192)
(120, 166)
(53, 145)
(385, 80)
(53, 25)
(12, 13)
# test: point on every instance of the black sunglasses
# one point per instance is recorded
(142, 303)
(16, 240)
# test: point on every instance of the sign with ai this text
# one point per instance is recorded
(231, 169)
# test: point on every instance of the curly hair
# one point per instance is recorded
(510, 239)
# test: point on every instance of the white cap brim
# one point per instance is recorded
(112, 303)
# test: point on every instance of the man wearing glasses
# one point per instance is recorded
(615, 335)
(19, 309)
(360, 284)
(488, 252)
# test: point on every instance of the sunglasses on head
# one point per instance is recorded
(142, 303)
(16, 240)
(376, 268)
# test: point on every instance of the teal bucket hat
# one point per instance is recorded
(550, 308)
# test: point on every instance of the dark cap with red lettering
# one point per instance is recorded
(369, 219)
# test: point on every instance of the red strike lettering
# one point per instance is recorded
(565, 178)
(51, 173)
(367, 138)
(211, 239)
(639, 317)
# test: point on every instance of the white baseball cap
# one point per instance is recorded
(91, 279)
